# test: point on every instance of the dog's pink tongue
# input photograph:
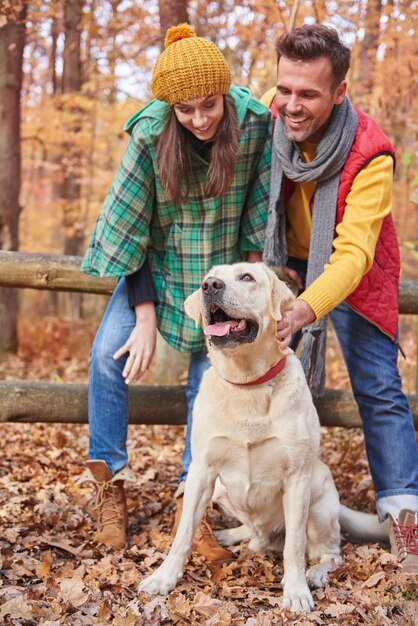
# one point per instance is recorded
(220, 329)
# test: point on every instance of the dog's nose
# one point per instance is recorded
(212, 285)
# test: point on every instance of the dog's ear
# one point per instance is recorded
(281, 297)
(192, 307)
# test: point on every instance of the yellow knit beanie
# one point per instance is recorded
(190, 67)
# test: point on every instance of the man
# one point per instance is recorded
(330, 228)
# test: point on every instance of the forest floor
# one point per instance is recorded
(52, 573)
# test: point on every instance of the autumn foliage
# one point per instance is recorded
(71, 141)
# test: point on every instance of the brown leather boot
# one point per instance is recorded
(204, 541)
(111, 508)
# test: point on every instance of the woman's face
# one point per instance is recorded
(201, 116)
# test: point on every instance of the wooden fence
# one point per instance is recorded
(30, 401)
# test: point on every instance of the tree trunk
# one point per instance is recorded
(320, 10)
(71, 77)
(12, 41)
(71, 83)
(368, 53)
(55, 31)
(172, 12)
(71, 156)
(113, 52)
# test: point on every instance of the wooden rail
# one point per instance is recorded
(49, 271)
(23, 401)
(27, 401)
(62, 273)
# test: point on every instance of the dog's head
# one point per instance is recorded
(238, 303)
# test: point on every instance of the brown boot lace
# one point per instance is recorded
(108, 510)
(407, 539)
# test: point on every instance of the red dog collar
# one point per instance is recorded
(265, 377)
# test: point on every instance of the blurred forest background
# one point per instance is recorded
(73, 71)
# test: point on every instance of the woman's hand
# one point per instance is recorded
(254, 256)
(140, 344)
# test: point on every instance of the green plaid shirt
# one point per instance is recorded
(182, 241)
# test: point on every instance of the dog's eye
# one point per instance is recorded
(247, 278)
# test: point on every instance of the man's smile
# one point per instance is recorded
(295, 120)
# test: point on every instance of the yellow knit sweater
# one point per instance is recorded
(367, 204)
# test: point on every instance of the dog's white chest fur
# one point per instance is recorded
(251, 485)
(242, 464)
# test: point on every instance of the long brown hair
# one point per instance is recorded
(175, 162)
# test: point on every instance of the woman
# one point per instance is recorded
(191, 191)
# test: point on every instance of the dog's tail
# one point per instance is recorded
(363, 525)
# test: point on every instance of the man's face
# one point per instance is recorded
(305, 97)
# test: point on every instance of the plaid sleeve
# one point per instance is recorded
(254, 217)
(120, 237)
(246, 245)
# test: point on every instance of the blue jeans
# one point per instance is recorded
(389, 432)
(108, 392)
(199, 363)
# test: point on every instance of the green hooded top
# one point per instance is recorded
(182, 241)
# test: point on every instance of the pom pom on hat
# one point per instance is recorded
(190, 67)
(175, 33)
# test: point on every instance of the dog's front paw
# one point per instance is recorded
(298, 600)
(159, 583)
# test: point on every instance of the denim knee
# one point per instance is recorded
(102, 361)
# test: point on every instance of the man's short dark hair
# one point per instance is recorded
(311, 41)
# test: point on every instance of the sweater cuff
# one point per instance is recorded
(319, 302)
(141, 287)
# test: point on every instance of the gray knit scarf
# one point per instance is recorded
(325, 169)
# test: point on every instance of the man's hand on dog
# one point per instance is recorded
(140, 344)
(292, 321)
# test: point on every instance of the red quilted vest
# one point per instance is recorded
(376, 296)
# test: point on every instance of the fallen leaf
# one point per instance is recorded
(179, 605)
(373, 580)
(45, 565)
(155, 612)
(129, 619)
(388, 557)
(220, 618)
(72, 591)
(202, 601)
(56, 542)
(17, 607)
(338, 609)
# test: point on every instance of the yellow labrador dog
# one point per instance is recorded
(255, 438)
